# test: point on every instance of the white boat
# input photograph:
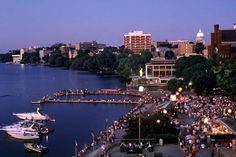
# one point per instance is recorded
(23, 135)
(37, 115)
(35, 147)
(29, 126)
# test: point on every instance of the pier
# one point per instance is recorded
(96, 92)
(68, 93)
(91, 101)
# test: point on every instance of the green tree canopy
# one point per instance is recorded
(170, 55)
(199, 47)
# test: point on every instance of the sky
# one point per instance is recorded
(25, 23)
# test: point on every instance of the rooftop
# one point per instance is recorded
(137, 33)
(229, 35)
(230, 123)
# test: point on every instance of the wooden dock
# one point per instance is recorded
(65, 93)
(85, 101)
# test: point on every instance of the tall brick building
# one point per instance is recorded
(223, 42)
(137, 41)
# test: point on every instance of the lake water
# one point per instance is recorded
(19, 84)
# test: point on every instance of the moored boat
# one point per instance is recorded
(23, 135)
(35, 147)
(37, 115)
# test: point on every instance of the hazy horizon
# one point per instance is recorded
(42, 23)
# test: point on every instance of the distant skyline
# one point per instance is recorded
(25, 23)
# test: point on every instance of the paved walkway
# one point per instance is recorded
(169, 150)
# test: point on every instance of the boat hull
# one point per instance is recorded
(35, 148)
(23, 135)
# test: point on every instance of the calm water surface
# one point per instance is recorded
(20, 84)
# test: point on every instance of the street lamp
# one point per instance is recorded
(190, 83)
(140, 89)
(229, 111)
(158, 121)
(180, 89)
(165, 111)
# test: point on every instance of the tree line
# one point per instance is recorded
(112, 60)
(204, 75)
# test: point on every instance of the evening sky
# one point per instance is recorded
(25, 23)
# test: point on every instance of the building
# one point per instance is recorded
(16, 58)
(177, 42)
(92, 46)
(44, 52)
(137, 41)
(200, 37)
(223, 42)
(159, 71)
(72, 53)
(185, 48)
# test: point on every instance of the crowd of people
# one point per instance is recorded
(108, 136)
(205, 112)
(193, 136)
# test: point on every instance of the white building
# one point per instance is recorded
(159, 71)
(16, 59)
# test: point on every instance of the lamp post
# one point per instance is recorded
(106, 126)
(165, 111)
(140, 89)
(139, 128)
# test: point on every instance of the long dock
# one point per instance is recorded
(85, 101)
(68, 93)
(95, 92)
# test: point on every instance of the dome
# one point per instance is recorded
(200, 34)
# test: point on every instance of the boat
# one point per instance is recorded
(28, 125)
(37, 115)
(35, 147)
(37, 101)
(45, 131)
(23, 135)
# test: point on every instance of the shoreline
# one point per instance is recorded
(117, 128)
(113, 73)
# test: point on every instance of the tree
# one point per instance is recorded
(186, 62)
(52, 58)
(174, 84)
(91, 64)
(30, 58)
(150, 128)
(78, 62)
(107, 61)
(198, 70)
(170, 55)
(59, 61)
(6, 57)
(226, 75)
(34, 59)
(146, 56)
(203, 82)
(199, 47)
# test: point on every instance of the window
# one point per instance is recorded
(156, 74)
(162, 73)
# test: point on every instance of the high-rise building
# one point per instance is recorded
(223, 42)
(137, 41)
